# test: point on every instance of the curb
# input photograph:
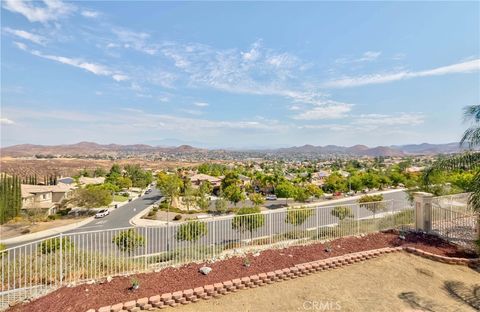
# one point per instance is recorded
(216, 290)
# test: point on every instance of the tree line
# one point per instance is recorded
(10, 197)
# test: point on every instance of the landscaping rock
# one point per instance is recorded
(109, 279)
(205, 270)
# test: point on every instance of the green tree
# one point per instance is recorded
(335, 183)
(234, 194)
(124, 183)
(373, 203)
(170, 185)
(285, 190)
(221, 205)
(10, 197)
(301, 194)
(313, 190)
(54, 244)
(99, 172)
(128, 241)
(342, 212)
(231, 178)
(191, 231)
(188, 195)
(93, 196)
(257, 199)
(248, 219)
(297, 216)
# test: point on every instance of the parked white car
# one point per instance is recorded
(102, 213)
(271, 197)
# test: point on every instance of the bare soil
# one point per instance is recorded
(84, 297)
(71, 166)
(395, 282)
(10, 230)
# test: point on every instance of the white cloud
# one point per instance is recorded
(6, 121)
(52, 10)
(120, 77)
(464, 67)
(329, 111)
(26, 35)
(136, 41)
(97, 69)
(90, 14)
(390, 120)
(254, 53)
(366, 57)
(201, 104)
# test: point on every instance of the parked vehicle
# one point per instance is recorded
(102, 213)
(271, 197)
(328, 196)
(148, 191)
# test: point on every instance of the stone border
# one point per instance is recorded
(218, 289)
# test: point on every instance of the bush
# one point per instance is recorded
(2, 247)
(342, 212)
(53, 244)
(297, 216)
(177, 217)
(248, 219)
(191, 231)
(25, 231)
(128, 240)
(53, 217)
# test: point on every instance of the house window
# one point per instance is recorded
(44, 196)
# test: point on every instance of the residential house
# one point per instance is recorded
(44, 197)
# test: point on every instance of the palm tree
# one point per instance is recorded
(467, 161)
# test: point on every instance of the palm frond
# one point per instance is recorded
(466, 161)
(472, 137)
(472, 113)
(474, 198)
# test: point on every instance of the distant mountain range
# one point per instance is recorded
(90, 148)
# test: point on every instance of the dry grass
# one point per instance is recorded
(395, 282)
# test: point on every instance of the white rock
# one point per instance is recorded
(91, 282)
(205, 270)
(109, 279)
(256, 254)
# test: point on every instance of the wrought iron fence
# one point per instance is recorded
(35, 268)
(454, 219)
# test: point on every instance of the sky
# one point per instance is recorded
(237, 74)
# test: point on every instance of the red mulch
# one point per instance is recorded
(84, 297)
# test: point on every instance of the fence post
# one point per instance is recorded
(61, 259)
(213, 232)
(270, 224)
(423, 211)
(358, 219)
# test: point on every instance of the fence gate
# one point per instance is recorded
(454, 219)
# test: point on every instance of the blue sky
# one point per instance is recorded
(250, 74)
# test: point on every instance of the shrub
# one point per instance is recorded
(53, 217)
(248, 219)
(25, 231)
(2, 247)
(372, 203)
(53, 244)
(297, 216)
(177, 217)
(128, 240)
(342, 212)
(191, 231)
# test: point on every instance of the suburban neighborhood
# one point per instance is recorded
(239, 156)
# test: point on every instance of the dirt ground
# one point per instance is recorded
(15, 229)
(395, 282)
